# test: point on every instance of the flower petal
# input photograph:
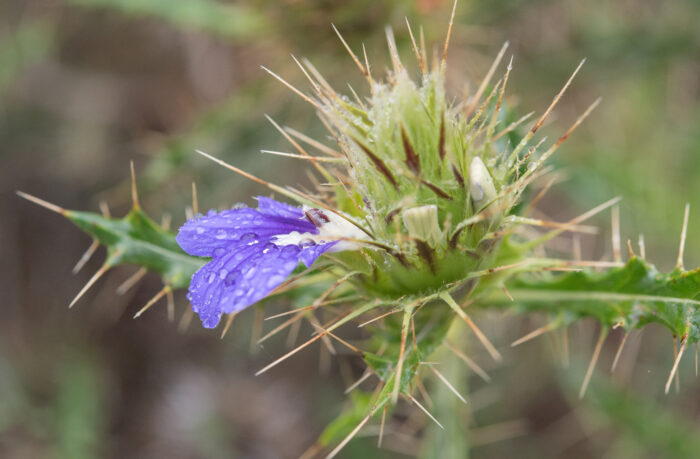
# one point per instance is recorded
(309, 253)
(229, 230)
(240, 278)
(280, 209)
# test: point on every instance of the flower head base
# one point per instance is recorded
(253, 251)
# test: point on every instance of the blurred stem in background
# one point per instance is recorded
(452, 441)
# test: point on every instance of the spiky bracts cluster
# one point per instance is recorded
(433, 191)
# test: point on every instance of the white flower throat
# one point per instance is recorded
(331, 227)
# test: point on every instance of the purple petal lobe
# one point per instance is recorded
(309, 251)
(247, 263)
(279, 209)
(239, 279)
(237, 228)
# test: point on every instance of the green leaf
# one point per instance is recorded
(134, 239)
(138, 240)
(631, 296)
(224, 19)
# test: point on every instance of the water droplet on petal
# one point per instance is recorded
(223, 272)
(306, 243)
(290, 249)
(230, 280)
(220, 234)
(290, 265)
(199, 230)
(270, 248)
(211, 277)
(219, 252)
(274, 281)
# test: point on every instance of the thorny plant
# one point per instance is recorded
(420, 218)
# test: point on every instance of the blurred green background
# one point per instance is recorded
(88, 85)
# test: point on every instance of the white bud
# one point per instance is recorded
(481, 185)
(422, 223)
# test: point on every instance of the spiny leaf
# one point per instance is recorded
(138, 240)
(632, 296)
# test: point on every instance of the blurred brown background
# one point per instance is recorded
(87, 86)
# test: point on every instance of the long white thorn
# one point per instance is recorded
(131, 281)
(292, 88)
(534, 334)
(449, 33)
(381, 428)
(594, 360)
(104, 208)
(42, 203)
(447, 383)
(349, 437)
(134, 191)
(86, 256)
(470, 363)
(229, 321)
(642, 248)
(152, 301)
(684, 230)
(362, 379)
(447, 298)
(616, 233)
(413, 399)
(675, 366)
(619, 351)
(171, 305)
(100, 272)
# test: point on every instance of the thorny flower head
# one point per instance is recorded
(422, 188)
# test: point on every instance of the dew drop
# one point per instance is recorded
(274, 281)
(306, 243)
(211, 277)
(199, 230)
(219, 252)
(220, 234)
(230, 280)
(270, 248)
(290, 249)
(223, 272)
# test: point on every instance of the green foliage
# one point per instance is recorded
(78, 410)
(630, 296)
(138, 240)
(225, 19)
(28, 44)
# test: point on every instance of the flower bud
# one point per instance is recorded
(481, 184)
(422, 223)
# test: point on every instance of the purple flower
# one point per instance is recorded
(252, 250)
